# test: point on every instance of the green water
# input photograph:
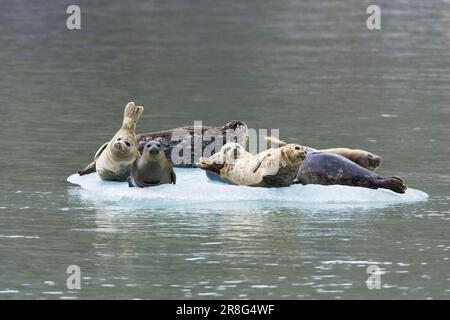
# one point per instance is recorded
(310, 68)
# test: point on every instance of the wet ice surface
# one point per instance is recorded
(194, 188)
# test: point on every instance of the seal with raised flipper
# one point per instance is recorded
(114, 159)
(198, 140)
(191, 137)
(151, 168)
(271, 168)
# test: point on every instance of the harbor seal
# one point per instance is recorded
(203, 138)
(271, 168)
(326, 168)
(364, 158)
(114, 159)
(151, 168)
(233, 131)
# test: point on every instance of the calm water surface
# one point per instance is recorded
(310, 68)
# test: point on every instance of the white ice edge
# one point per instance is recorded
(193, 187)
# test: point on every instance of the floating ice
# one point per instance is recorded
(193, 187)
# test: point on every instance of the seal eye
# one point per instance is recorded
(118, 139)
(127, 144)
(297, 148)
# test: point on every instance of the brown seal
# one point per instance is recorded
(364, 158)
(114, 159)
(172, 139)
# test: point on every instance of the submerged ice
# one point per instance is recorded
(193, 187)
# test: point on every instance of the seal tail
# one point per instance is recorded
(131, 115)
(392, 183)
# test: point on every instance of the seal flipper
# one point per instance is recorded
(91, 166)
(215, 177)
(145, 184)
(173, 176)
(399, 179)
(130, 183)
(258, 163)
(299, 181)
(131, 115)
(88, 169)
(100, 150)
(392, 183)
(208, 165)
(273, 181)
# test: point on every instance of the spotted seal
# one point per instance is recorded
(271, 168)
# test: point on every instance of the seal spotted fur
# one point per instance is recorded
(271, 168)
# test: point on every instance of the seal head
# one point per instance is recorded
(123, 146)
(364, 158)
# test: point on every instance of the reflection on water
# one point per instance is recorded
(310, 69)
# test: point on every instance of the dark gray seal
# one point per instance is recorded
(151, 168)
(328, 168)
(234, 131)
